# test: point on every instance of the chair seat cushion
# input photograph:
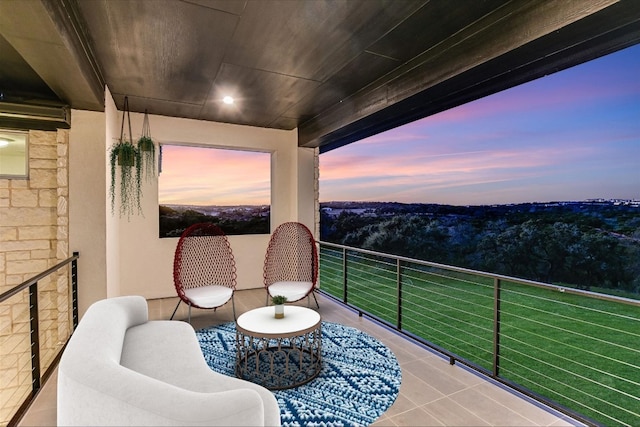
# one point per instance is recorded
(294, 291)
(209, 296)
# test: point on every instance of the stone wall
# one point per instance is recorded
(34, 233)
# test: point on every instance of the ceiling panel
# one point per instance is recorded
(32, 31)
(260, 96)
(362, 30)
(363, 70)
(230, 6)
(159, 106)
(310, 39)
(430, 25)
(17, 79)
(159, 49)
(334, 69)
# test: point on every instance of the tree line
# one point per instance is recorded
(233, 222)
(583, 246)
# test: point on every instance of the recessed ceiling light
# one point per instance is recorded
(227, 100)
(4, 142)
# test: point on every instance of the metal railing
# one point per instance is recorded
(574, 350)
(36, 332)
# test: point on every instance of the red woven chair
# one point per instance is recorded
(291, 263)
(204, 270)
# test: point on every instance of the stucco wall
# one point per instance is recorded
(146, 261)
(126, 256)
(87, 206)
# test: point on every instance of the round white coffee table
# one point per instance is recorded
(279, 353)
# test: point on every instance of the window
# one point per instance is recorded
(14, 154)
(231, 188)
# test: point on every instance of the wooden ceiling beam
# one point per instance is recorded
(484, 58)
(52, 41)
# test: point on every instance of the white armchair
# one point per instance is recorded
(121, 369)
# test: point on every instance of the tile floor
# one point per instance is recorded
(433, 392)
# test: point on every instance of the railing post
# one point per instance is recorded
(399, 292)
(496, 327)
(74, 290)
(344, 274)
(35, 337)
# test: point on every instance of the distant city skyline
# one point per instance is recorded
(573, 135)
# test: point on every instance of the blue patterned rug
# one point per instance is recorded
(359, 380)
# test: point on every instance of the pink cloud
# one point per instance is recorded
(417, 176)
(198, 175)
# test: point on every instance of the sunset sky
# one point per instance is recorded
(572, 135)
(205, 176)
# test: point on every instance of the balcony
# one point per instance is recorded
(464, 341)
(572, 349)
(433, 392)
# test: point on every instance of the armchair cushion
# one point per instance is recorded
(294, 291)
(209, 296)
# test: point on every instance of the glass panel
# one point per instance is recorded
(13, 154)
(230, 188)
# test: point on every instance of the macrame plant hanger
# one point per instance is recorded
(122, 158)
(126, 156)
(147, 149)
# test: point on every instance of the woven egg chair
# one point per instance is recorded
(291, 263)
(204, 270)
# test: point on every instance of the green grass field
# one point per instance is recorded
(581, 352)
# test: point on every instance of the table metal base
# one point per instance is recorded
(279, 363)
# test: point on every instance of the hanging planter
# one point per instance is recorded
(147, 149)
(125, 158)
(126, 154)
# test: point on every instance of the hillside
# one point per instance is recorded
(594, 243)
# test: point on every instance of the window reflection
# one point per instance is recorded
(13, 154)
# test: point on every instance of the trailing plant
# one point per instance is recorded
(278, 299)
(125, 157)
(147, 149)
